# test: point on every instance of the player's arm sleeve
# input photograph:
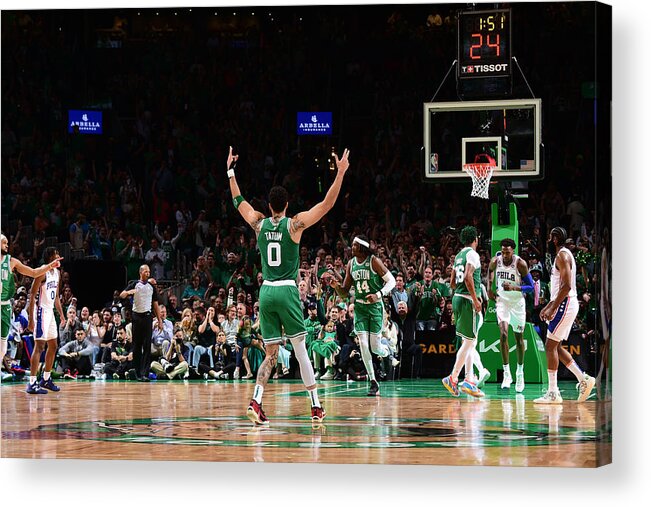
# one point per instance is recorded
(389, 283)
(527, 284)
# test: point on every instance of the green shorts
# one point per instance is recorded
(466, 320)
(368, 318)
(6, 321)
(281, 313)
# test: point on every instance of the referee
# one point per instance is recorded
(145, 296)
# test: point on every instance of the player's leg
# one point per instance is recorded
(375, 320)
(518, 320)
(271, 329)
(4, 334)
(33, 387)
(50, 329)
(35, 360)
(50, 355)
(466, 329)
(362, 325)
(469, 385)
(560, 327)
(503, 314)
(294, 326)
(553, 395)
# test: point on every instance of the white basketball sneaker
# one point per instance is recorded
(550, 398)
(506, 382)
(484, 375)
(519, 382)
(585, 387)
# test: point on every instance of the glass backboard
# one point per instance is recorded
(505, 132)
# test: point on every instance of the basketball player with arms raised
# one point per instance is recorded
(510, 271)
(7, 266)
(371, 280)
(560, 312)
(46, 289)
(281, 312)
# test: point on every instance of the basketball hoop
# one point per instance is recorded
(480, 173)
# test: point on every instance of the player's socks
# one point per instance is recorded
(551, 375)
(46, 375)
(519, 369)
(257, 393)
(314, 398)
(476, 359)
(574, 368)
(506, 368)
(32, 380)
(470, 373)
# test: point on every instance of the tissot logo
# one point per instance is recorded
(493, 67)
(314, 124)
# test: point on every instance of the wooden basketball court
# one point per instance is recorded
(413, 422)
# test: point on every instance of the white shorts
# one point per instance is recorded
(514, 313)
(46, 325)
(561, 323)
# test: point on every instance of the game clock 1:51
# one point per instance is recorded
(484, 43)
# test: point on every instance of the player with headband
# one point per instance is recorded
(371, 280)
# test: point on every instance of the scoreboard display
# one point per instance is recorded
(484, 44)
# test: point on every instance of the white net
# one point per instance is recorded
(481, 177)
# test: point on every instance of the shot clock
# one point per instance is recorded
(484, 44)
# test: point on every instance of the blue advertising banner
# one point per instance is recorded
(89, 122)
(314, 124)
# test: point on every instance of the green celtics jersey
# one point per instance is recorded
(8, 283)
(279, 252)
(428, 302)
(467, 256)
(365, 280)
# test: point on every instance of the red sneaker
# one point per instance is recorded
(256, 415)
(318, 414)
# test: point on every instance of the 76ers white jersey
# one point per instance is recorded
(510, 273)
(556, 277)
(48, 292)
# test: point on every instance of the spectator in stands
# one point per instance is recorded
(168, 245)
(399, 293)
(175, 364)
(220, 364)
(156, 258)
(230, 327)
(75, 356)
(121, 356)
(194, 289)
(411, 353)
(78, 231)
(206, 333)
(69, 327)
(161, 338)
(110, 335)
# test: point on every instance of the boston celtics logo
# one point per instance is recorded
(339, 432)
